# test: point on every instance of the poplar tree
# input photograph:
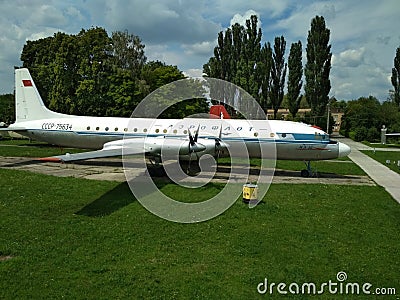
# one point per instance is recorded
(237, 59)
(294, 78)
(265, 66)
(396, 78)
(318, 67)
(278, 74)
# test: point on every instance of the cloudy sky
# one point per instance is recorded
(364, 33)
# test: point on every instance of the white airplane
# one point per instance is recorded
(109, 136)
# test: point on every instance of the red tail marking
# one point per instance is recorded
(317, 127)
(27, 82)
(217, 110)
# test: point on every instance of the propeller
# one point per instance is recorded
(194, 147)
(218, 143)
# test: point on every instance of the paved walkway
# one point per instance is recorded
(381, 174)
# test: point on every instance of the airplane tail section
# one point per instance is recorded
(219, 111)
(29, 105)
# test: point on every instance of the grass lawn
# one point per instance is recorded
(341, 166)
(383, 156)
(74, 238)
(379, 145)
(23, 147)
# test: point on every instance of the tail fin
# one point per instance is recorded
(219, 111)
(28, 103)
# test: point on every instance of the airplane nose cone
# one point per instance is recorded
(344, 150)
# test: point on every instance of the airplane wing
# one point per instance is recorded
(114, 148)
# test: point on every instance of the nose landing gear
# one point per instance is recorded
(307, 172)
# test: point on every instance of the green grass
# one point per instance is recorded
(26, 148)
(341, 166)
(383, 156)
(376, 145)
(73, 238)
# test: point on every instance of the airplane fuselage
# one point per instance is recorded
(293, 140)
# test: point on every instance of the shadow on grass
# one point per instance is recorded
(113, 200)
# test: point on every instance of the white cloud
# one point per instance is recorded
(193, 72)
(349, 58)
(46, 15)
(241, 19)
(162, 22)
(74, 13)
(203, 48)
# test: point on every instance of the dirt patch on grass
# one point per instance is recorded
(5, 257)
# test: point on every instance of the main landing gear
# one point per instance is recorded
(307, 172)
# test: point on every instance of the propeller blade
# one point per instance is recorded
(191, 139)
(220, 132)
(196, 135)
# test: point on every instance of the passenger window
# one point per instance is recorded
(256, 134)
(145, 130)
(116, 128)
(283, 135)
(175, 131)
(107, 128)
(125, 129)
(157, 130)
(88, 128)
(165, 130)
(135, 129)
(97, 128)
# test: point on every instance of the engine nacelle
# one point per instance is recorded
(172, 146)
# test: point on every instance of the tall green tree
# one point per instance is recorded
(396, 78)
(127, 52)
(265, 65)
(237, 59)
(318, 67)
(94, 54)
(39, 57)
(294, 78)
(278, 74)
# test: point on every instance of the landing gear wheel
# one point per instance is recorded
(305, 173)
(191, 168)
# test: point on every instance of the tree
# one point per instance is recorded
(265, 66)
(294, 79)
(396, 78)
(318, 67)
(278, 74)
(94, 55)
(363, 114)
(237, 60)
(39, 57)
(127, 53)
(7, 108)
(91, 73)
